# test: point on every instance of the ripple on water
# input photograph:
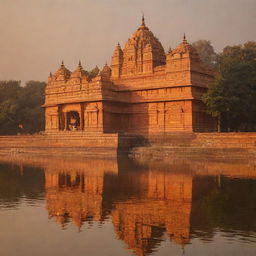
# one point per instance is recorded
(6, 205)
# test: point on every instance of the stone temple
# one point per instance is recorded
(144, 91)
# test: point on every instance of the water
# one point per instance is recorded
(118, 207)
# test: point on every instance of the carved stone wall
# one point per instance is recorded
(52, 118)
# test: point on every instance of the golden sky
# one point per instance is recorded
(37, 34)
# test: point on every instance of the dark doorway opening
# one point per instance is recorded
(73, 121)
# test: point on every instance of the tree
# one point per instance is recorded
(20, 107)
(94, 72)
(206, 52)
(31, 114)
(9, 95)
(232, 94)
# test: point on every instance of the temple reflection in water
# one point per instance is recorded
(152, 203)
(76, 191)
(145, 203)
(149, 203)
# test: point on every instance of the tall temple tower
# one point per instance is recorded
(141, 53)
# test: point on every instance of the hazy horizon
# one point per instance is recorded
(37, 35)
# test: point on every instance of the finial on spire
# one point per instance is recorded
(79, 64)
(62, 63)
(143, 20)
(184, 37)
(50, 74)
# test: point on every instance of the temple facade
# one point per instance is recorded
(144, 91)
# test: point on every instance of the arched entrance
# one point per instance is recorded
(73, 121)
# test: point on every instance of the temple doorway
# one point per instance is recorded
(73, 121)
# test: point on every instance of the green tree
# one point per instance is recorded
(20, 107)
(206, 52)
(9, 95)
(232, 94)
(31, 114)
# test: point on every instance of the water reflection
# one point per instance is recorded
(143, 203)
(162, 206)
(147, 204)
(17, 182)
(75, 190)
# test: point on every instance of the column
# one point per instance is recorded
(65, 121)
(81, 117)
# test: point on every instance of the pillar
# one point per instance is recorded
(65, 120)
(81, 117)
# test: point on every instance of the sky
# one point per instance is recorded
(36, 35)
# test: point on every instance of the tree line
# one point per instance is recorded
(231, 97)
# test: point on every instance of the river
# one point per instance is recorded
(122, 207)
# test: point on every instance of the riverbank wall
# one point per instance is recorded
(67, 144)
(227, 146)
(152, 147)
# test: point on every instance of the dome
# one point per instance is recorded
(79, 72)
(185, 47)
(106, 72)
(62, 73)
(144, 46)
(143, 35)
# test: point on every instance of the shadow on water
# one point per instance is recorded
(146, 203)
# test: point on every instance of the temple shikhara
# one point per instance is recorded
(144, 91)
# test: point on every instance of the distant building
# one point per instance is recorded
(144, 91)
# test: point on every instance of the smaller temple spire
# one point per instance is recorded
(50, 75)
(118, 48)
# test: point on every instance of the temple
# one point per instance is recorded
(144, 91)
